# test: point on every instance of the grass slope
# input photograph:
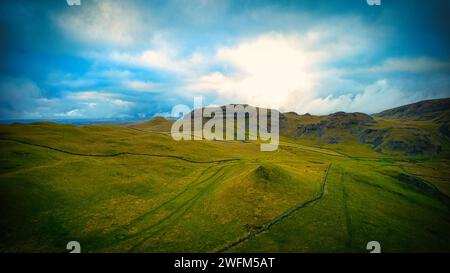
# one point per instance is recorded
(134, 189)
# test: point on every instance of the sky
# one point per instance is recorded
(136, 59)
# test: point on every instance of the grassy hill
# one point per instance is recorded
(435, 110)
(416, 130)
(335, 183)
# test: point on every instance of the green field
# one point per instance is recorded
(134, 189)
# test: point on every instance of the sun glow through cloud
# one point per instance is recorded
(152, 56)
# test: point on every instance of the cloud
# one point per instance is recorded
(277, 69)
(410, 65)
(166, 115)
(69, 80)
(303, 73)
(21, 98)
(309, 68)
(109, 79)
(112, 74)
(102, 22)
(380, 92)
(376, 97)
(17, 96)
(98, 97)
(136, 58)
(141, 86)
(89, 104)
(162, 58)
(383, 94)
(70, 114)
(264, 70)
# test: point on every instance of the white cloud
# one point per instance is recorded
(380, 96)
(166, 115)
(90, 104)
(376, 97)
(102, 22)
(162, 58)
(266, 70)
(295, 71)
(275, 69)
(70, 114)
(304, 68)
(302, 73)
(98, 97)
(140, 86)
(90, 95)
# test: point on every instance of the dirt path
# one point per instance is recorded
(119, 153)
(282, 216)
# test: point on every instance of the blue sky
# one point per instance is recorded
(137, 59)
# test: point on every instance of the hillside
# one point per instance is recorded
(418, 130)
(134, 189)
(437, 110)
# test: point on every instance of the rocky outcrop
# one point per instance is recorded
(308, 129)
(338, 121)
(411, 141)
(373, 137)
